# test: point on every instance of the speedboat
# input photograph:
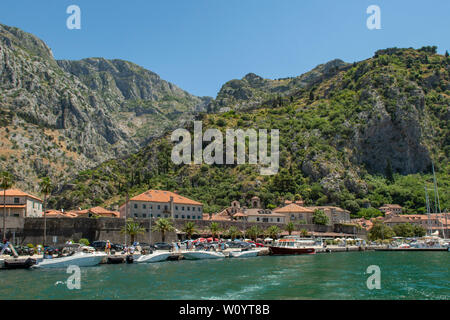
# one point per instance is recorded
(202, 254)
(156, 256)
(243, 254)
(81, 259)
(86, 257)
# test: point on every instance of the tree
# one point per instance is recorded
(290, 227)
(368, 213)
(319, 217)
(389, 173)
(6, 182)
(46, 187)
(190, 229)
(233, 232)
(419, 231)
(214, 228)
(380, 231)
(163, 225)
(254, 232)
(405, 230)
(446, 53)
(304, 233)
(273, 232)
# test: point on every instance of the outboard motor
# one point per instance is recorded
(130, 259)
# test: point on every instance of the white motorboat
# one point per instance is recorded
(243, 254)
(202, 254)
(156, 256)
(81, 259)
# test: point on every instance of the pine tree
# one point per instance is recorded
(446, 53)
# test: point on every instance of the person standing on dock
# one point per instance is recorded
(108, 247)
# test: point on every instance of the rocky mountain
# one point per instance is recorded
(253, 91)
(351, 135)
(60, 117)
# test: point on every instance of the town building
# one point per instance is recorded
(294, 212)
(434, 222)
(335, 214)
(255, 214)
(96, 212)
(20, 204)
(388, 209)
(162, 204)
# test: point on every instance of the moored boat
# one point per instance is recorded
(156, 256)
(292, 246)
(243, 254)
(202, 254)
(81, 259)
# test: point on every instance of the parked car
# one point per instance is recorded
(162, 246)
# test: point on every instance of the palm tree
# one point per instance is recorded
(304, 233)
(233, 232)
(46, 187)
(273, 232)
(6, 182)
(290, 227)
(214, 228)
(132, 228)
(190, 229)
(254, 232)
(163, 225)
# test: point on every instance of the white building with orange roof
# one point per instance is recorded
(391, 208)
(96, 212)
(295, 212)
(162, 204)
(20, 204)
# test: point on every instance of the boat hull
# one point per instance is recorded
(85, 260)
(197, 255)
(244, 254)
(291, 251)
(153, 257)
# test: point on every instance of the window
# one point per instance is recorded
(151, 215)
(199, 217)
(135, 205)
(278, 219)
(159, 215)
(159, 207)
(182, 208)
(182, 216)
(176, 207)
(257, 219)
(135, 215)
(199, 209)
(165, 207)
(193, 217)
(144, 215)
(188, 217)
(176, 216)
(189, 208)
(144, 206)
(16, 200)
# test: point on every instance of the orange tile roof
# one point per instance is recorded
(292, 207)
(99, 211)
(18, 193)
(239, 214)
(13, 206)
(163, 196)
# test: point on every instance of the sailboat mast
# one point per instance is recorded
(427, 201)
(437, 204)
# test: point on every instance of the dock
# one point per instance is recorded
(412, 249)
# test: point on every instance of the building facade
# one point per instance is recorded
(21, 204)
(162, 204)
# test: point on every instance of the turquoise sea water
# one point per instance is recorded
(404, 275)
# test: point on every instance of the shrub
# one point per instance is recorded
(84, 242)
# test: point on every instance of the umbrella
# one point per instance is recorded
(268, 239)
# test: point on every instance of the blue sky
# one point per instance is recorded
(201, 44)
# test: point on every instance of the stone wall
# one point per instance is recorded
(31, 230)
